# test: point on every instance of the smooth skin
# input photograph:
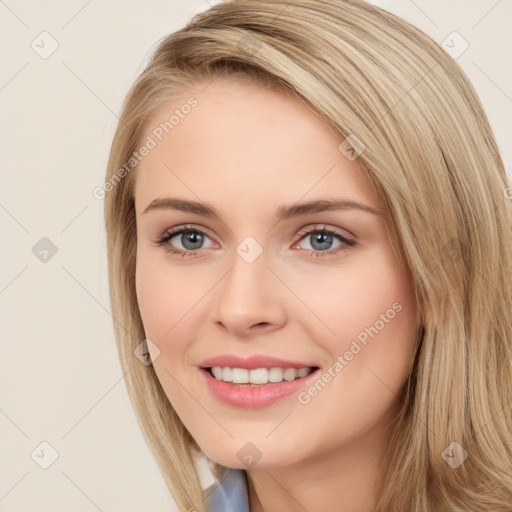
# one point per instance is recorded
(246, 150)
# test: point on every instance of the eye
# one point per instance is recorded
(321, 239)
(191, 240)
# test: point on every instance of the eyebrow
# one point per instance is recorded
(283, 212)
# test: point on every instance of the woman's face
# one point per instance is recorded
(258, 275)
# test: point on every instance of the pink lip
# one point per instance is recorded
(252, 362)
(254, 396)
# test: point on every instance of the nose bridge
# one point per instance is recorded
(247, 279)
(247, 296)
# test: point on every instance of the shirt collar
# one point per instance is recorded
(230, 493)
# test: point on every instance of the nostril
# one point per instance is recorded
(261, 323)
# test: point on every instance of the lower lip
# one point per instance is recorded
(253, 396)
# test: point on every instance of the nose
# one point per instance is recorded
(249, 299)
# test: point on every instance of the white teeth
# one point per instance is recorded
(303, 372)
(217, 372)
(289, 374)
(258, 375)
(240, 375)
(275, 375)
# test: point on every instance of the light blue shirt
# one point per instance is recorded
(230, 494)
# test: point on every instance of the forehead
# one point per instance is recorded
(244, 140)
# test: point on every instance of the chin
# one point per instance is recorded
(248, 455)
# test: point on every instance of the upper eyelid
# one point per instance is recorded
(326, 227)
(172, 232)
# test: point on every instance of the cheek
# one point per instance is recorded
(348, 301)
(367, 316)
(164, 301)
(164, 296)
(172, 305)
(153, 297)
(381, 319)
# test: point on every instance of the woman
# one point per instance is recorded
(308, 232)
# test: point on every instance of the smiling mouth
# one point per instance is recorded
(258, 376)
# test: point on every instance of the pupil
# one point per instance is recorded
(191, 238)
(321, 238)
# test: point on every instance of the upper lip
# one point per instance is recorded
(251, 362)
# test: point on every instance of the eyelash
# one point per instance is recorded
(162, 241)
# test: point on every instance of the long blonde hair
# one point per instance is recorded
(432, 156)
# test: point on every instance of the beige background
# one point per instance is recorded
(61, 382)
